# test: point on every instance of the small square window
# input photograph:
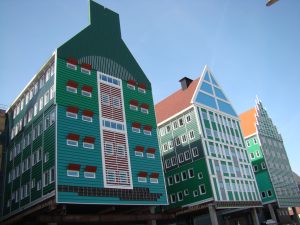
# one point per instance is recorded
(150, 155)
(154, 180)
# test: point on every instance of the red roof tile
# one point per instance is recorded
(248, 122)
(175, 103)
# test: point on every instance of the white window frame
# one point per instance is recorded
(195, 151)
(200, 191)
(112, 148)
(116, 102)
(71, 66)
(153, 180)
(105, 99)
(142, 179)
(147, 132)
(72, 143)
(88, 145)
(72, 173)
(46, 98)
(86, 93)
(186, 118)
(85, 71)
(136, 130)
(71, 89)
(191, 134)
(142, 90)
(189, 173)
(133, 107)
(89, 175)
(144, 110)
(150, 156)
(71, 115)
(139, 154)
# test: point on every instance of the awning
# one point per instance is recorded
(142, 174)
(72, 83)
(74, 167)
(147, 127)
(89, 140)
(72, 61)
(139, 148)
(86, 66)
(87, 88)
(74, 137)
(91, 169)
(154, 175)
(132, 82)
(88, 113)
(145, 106)
(142, 85)
(151, 150)
(134, 102)
(72, 109)
(136, 125)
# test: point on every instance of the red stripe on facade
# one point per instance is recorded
(132, 82)
(72, 109)
(151, 150)
(72, 61)
(145, 106)
(134, 102)
(142, 174)
(87, 88)
(142, 85)
(72, 83)
(154, 175)
(147, 127)
(74, 137)
(88, 113)
(136, 125)
(74, 167)
(86, 66)
(89, 140)
(91, 169)
(139, 148)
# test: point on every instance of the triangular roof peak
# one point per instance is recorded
(210, 94)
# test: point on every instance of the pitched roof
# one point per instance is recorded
(248, 122)
(175, 103)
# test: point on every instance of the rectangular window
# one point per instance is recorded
(263, 165)
(52, 175)
(255, 168)
(141, 90)
(41, 103)
(180, 121)
(147, 132)
(86, 93)
(111, 176)
(200, 175)
(71, 115)
(183, 138)
(89, 174)
(142, 179)
(36, 106)
(108, 148)
(180, 157)
(71, 89)
(120, 151)
(139, 154)
(186, 192)
(38, 185)
(202, 189)
(180, 196)
(153, 180)
(72, 142)
(248, 143)
(195, 152)
(150, 155)
(168, 129)
(116, 102)
(165, 147)
(33, 183)
(71, 66)
(171, 144)
(88, 145)
(188, 118)
(46, 157)
(177, 178)
(46, 178)
(175, 125)
(87, 118)
(136, 130)
(252, 155)
(133, 107)
(191, 135)
(170, 180)
(130, 86)
(46, 98)
(123, 177)
(85, 71)
(72, 173)
(144, 110)
(257, 153)
(191, 172)
(173, 198)
(177, 141)
(105, 99)
(187, 155)
(52, 92)
(183, 175)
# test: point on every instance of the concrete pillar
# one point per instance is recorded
(152, 211)
(254, 216)
(213, 215)
(295, 216)
(273, 216)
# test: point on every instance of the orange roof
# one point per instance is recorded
(248, 122)
(175, 103)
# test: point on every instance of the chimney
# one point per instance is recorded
(185, 83)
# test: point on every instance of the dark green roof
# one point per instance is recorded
(101, 45)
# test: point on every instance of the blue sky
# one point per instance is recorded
(251, 49)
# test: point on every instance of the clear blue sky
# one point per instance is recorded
(251, 49)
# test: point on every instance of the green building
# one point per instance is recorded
(271, 166)
(204, 156)
(83, 130)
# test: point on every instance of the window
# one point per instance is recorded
(46, 178)
(263, 194)
(87, 116)
(173, 198)
(186, 192)
(183, 138)
(162, 131)
(35, 109)
(170, 180)
(147, 132)
(202, 189)
(121, 151)
(255, 168)
(248, 143)
(257, 153)
(105, 99)
(145, 108)
(187, 155)
(173, 161)
(108, 148)
(111, 176)
(142, 179)
(200, 175)
(177, 178)
(165, 147)
(52, 92)
(180, 157)
(86, 69)
(180, 121)
(269, 193)
(263, 165)
(183, 175)
(191, 172)
(139, 153)
(171, 144)
(86, 93)
(180, 196)
(52, 175)
(71, 89)
(116, 102)
(195, 152)
(72, 173)
(175, 125)
(195, 193)
(136, 127)
(142, 88)
(177, 141)
(46, 98)
(89, 175)
(168, 163)
(150, 155)
(188, 118)
(72, 142)
(38, 185)
(88, 145)
(72, 112)
(46, 157)
(191, 135)
(113, 125)
(255, 140)
(47, 121)
(252, 155)
(41, 103)
(168, 129)
(131, 84)
(123, 177)
(153, 180)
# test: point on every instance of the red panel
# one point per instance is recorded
(92, 169)
(88, 113)
(136, 125)
(74, 167)
(72, 109)
(87, 88)
(134, 102)
(151, 150)
(142, 85)
(74, 137)
(89, 140)
(86, 66)
(132, 82)
(154, 175)
(72, 61)
(139, 148)
(142, 174)
(72, 83)
(145, 106)
(147, 127)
